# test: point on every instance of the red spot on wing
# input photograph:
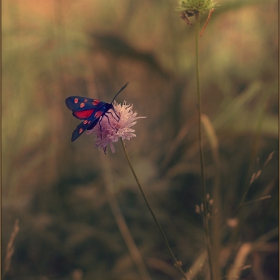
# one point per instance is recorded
(82, 105)
(76, 100)
(85, 121)
(95, 102)
(81, 130)
(98, 114)
(84, 114)
(85, 100)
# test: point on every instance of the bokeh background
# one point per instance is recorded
(63, 193)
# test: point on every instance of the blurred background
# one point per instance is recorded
(62, 193)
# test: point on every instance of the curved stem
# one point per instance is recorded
(124, 230)
(204, 199)
(176, 262)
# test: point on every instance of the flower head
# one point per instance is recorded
(115, 124)
(196, 5)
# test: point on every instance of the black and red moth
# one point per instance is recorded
(91, 111)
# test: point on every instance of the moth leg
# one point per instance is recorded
(116, 119)
(100, 127)
(109, 120)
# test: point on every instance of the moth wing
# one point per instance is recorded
(79, 103)
(83, 126)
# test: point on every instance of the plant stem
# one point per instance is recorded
(215, 226)
(176, 262)
(204, 199)
(124, 230)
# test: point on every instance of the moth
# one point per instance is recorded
(91, 111)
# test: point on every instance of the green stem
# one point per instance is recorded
(176, 262)
(204, 199)
(124, 230)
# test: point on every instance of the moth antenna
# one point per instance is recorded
(119, 92)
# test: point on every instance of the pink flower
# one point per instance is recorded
(115, 124)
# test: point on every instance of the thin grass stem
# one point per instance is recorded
(241, 215)
(204, 198)
(10, 248)
(215, 227)
(124, 230)
(177, 263)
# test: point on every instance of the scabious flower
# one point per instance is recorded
(115, 124)
(189, 8)
(196, 5)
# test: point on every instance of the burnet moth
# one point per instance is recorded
(91, 111)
